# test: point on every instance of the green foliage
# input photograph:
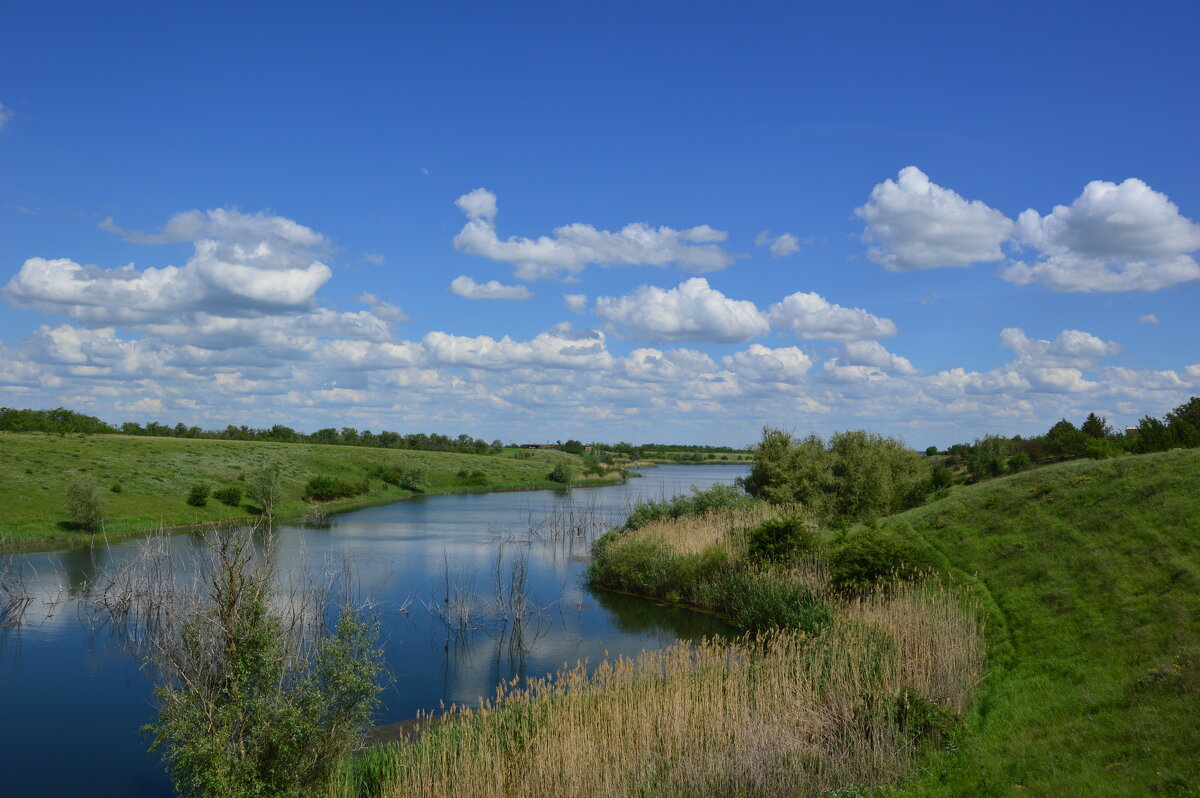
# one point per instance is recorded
(241, 712)
(761, 599)
(324, 489)
(198, 495)
(870, 556)
(230, 495)
(1096, 427)
(1064, 440)
(1101, 448)
(413, 478)
(931, 451)
(561, 474)
(941, 477)
(781, 540)
(639, 566)
(116, 487)
(697, 502)
(573, 447)
(474, 478)
(857, 475)
(84, 504)
(1020, 461)
(266, 488)
(988, 457)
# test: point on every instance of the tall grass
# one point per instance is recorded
(796, 709)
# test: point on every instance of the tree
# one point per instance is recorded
(1096, 427)
(1064, 440)
(84, 503)
(253, 700)
(266, 489)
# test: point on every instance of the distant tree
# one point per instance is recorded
(572, 447)
(1189, 412)
(1153, 435)
(1065, 440)
(266, 489)
(84, 503)
(1096, 427)
(931, 451)
(988, 457)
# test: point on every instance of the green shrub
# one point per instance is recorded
(116, 487)
(323, 489)
(697, 502)
(869, 556)
(198, 495)
(561, 474)
(1101, 449)
(781, 540)
(230, 496)
(475, 478)
(1021, 461)
(639, 566)
(266, 488)
(941, 477)
(84, 504)
(756, 599)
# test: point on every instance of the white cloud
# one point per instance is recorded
(781, 245)
(675, 365)
(374, 258)
(1070, 348)
(692, 311)
(1149, 318)
(5, 116)
(810, 315)
(575, 302)
(759, 363)
(384, 310)
(243, 265)
(558, 347)
(574, 246)
(467, 288)
(835, 371)
(873, 353)
(916, 224)
(1124, 237)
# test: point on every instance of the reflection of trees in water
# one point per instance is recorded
(634, 615)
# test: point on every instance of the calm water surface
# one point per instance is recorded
(72, 698)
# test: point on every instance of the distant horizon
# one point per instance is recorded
(617, 222)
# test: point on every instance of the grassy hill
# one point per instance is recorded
(155, 475)
(1091, 571)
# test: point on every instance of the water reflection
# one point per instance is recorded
(472, 589)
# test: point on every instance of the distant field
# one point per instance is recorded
(697, 457)
(155, 475)
(1092, 572)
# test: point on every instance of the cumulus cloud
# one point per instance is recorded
(574, 246)
(914, 223)
(810, 315)
(558, 347)
(781, 245)
(1070, 348)
(575, 302)
(243, 265)
(759, 363)
(1124, 237)
(467, 288)
(692, 311)
(381, 309)
(873, 353)
(675, 365)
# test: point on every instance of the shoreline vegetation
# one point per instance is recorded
(854, 681)
(145, 485)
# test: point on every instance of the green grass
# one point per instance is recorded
(1091, 570)
(156, 474)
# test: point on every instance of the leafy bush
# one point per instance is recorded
(639, 566)
(475, 478)
(870, 555)
(781, 540)
(230, 496)
(116, 487)
(323, 489)
(1021, 461)
(941, 477)
(1101, 449)
(560, 474)
(412, 478)
(266, 488)
(198, 495)
(697, 502)
(763, 599)
(84, 504)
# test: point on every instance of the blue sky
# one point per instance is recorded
(646, 222)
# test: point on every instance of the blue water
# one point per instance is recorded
(73, 699)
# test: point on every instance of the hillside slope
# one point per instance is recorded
(155, 475)
(1093, 573)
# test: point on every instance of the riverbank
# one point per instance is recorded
(145, 482)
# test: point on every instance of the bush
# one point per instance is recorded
(1021, 461)
(941, 477)
(639, 566)
(84, 504)
(1101, 449)
(698, 502)
(412, 478)
(781, 540)
(763, 599)
(116, 487)
(560, 474)
(476, 478)
(323, 489)
(230, 496)
(869, 556)
(198, 495)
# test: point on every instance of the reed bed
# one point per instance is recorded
(779, 713)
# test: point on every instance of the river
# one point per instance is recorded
(73, 698)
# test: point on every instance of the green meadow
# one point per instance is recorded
(152, 478)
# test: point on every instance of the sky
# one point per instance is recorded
(647, 222)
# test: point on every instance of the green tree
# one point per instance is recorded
(266, 488)
(246, 709)
(1096, 427)
(1064, 440)
(84, 503)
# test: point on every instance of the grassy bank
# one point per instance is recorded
(832, 692)
(1093, 572)
(155, 475)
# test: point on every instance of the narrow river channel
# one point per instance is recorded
(73, 698)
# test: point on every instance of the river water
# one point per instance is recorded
(73, 698)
